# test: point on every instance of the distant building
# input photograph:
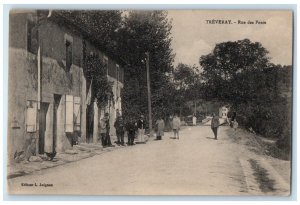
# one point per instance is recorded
(223, 112)
(49, 103)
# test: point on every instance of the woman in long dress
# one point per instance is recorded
(160, 125)
(176, 126)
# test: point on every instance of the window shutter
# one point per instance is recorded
(31, 114)
(77, 113)
(69, 113)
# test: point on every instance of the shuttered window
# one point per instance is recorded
(31, 113)
(77, 113)
(69, 114)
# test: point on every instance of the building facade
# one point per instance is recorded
(49, 107)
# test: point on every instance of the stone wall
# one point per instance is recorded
(22, 87)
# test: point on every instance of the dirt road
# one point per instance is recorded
(196, 164)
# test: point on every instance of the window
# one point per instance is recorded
(31, 113)
(105, 64)
(77, 113)
(69, 113)
(32, 37)
(68, 55)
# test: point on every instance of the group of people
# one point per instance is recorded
(137, 129)
(133, 129)
(104, 129)
(160, 127)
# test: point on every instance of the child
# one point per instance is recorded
(235, 124)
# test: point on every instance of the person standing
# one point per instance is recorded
(141, 124)
(130, 127)
(160, 125)
(108, 141)
(102, 128)
(176, 126)
(194, 120)
(215, 123)
(235, 124)
(233, 116)
(119, 125)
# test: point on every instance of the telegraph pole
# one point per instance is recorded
(149, 94)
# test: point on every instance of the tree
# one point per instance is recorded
(101, 88)
(187, 83)
(141, 32)
(239, 73)
(126, 36)
(232, 60)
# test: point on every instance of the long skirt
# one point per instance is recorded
(141, 133)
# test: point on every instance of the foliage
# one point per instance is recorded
(100, 27)
(231, 65)
(239, 73)
(186, 77)
(126, 36)
(187, 84)
(141, 32)
(101, 88)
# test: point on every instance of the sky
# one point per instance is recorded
(194, 37)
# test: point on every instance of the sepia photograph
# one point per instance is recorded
(150, 102)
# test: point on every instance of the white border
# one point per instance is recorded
(254, 3)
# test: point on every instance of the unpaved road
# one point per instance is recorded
(196, 164)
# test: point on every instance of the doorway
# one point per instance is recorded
(42, 126)
(89, 123)
(57, 99)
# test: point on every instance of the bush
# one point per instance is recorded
(270, 120)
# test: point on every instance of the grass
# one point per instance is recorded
(257, 144)
(265, 183)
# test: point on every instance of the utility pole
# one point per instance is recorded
(149, 95)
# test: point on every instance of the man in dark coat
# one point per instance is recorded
(130, 127)
(119, 125)
(215, 123)
(108, 141)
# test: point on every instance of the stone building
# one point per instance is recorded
(49, 104)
